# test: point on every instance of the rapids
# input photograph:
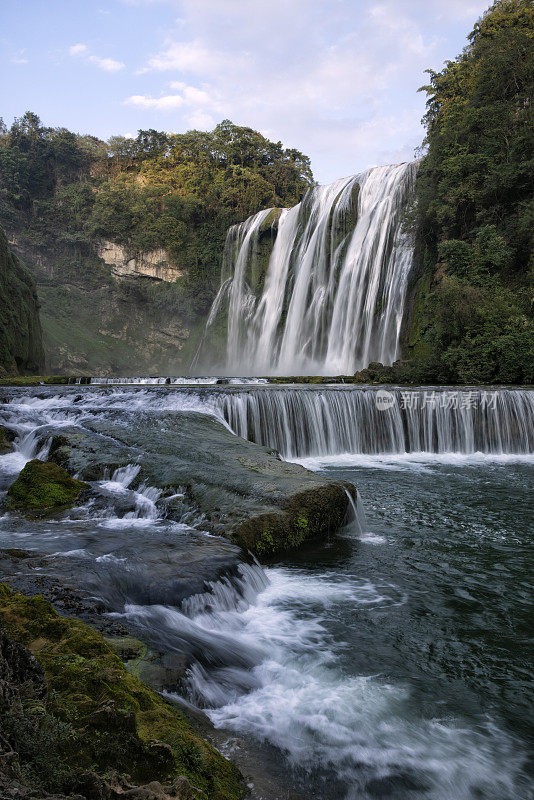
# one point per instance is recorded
(389, 662)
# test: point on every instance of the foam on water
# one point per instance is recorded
(176, 381)
(410, 461)
(294, 694)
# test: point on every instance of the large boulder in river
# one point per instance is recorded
(245, 491)
(43, 486)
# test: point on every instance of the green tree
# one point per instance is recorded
(473, 313)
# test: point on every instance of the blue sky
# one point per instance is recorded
(336, 79)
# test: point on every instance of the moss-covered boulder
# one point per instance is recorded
(43, 486)
(307, 514)
(102, 719)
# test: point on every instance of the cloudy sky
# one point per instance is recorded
(336, 79)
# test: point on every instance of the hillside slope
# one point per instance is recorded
(125, 238)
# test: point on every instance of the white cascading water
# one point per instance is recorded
(311, 421)
(334, 291)
(316, 422)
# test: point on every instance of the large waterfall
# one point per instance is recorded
(318, 288)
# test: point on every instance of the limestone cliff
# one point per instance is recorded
(106, 315)
(21, 348)
(146, 263)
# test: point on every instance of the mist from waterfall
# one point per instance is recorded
(332, 297)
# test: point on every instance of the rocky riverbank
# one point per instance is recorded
(74, 721)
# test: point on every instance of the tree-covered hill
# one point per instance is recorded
(472, 319)
(171, 196)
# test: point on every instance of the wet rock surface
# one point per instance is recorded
(42, 487)
(6, 440)
(134, 561)
(244, 490)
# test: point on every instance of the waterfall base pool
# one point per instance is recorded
(393, 662)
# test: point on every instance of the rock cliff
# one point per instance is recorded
(21, 348)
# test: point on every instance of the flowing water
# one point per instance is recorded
(333, 293)
(390, 662)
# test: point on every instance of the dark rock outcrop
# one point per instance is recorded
(6, 440)
(75, 722)
(244, 490)
(21, 348)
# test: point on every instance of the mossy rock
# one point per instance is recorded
(307, 514)
(108, 719)
(43, 486)
(6, 440)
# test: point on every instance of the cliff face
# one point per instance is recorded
(149, 264)
(99, 322)
(21, 348)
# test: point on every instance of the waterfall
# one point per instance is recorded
(317, 422)
(319, 288)
(301, 421)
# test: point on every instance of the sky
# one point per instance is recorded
(336, 79)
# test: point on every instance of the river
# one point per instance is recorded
(391, 661)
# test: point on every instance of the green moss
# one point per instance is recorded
(308, 514)
(42, 486)
(265, 543)
(111, 720)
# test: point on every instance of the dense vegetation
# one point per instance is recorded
(472, 295)
(61, 194)
(21, 348)
(176, 191)
(472, 319)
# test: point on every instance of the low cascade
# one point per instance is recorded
(330, 297)
(301, 421)
(317, 422)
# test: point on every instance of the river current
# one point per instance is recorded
(390, 662)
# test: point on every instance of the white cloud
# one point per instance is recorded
(106, 64)
(196, 101)
(190, 93)
(337, 79)
(459, 9)
(192, 56)
(200, 120)
(165, 103)
(78, 49)
(19, 57)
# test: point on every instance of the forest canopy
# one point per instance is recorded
(177, 191)
(475, 215)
